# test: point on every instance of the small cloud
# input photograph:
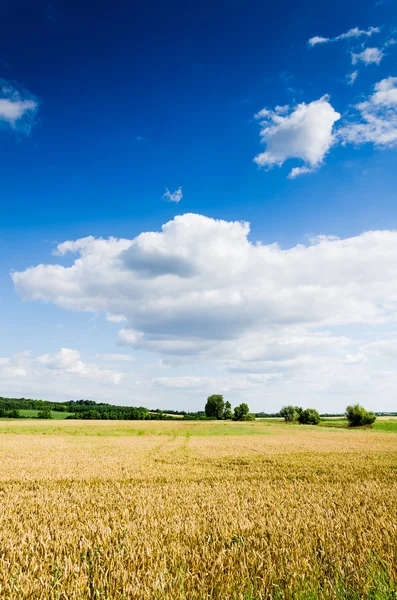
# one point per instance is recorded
(351, 77)
(17, 108)
(175, 196)
(299, 171)
(140, 138)
(369, 56)
(304, 132)
(115, 318)
(317, 39)
(355, 32)
(281, 109)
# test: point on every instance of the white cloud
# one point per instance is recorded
(200, 290)
(368, 56)
(225, 315)
(351, 77)
(355, 32)
(69, 361)
(14, 367)
(115, 318)
(11, 372)
(174, 196)
(377, 122)
(17, 109)
(296, 171)
(318, 39)
(305, 133)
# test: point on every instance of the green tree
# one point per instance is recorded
(242, 413)
(309, 417)
(290, 413)
(227, 411)
(45, 413)
(357, 416)
(14, 414)
(215, 406)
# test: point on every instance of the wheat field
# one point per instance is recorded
(149, 510)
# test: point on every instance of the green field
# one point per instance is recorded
(138, 428)
(174, 428)
(192, 427)
(33, 414)
(381, 424)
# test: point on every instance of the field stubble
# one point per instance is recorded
(291, 512)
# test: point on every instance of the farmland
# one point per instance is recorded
(197, 510)
(33, 414)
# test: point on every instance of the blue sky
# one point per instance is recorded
(280, 116)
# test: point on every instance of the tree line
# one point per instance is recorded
(216, 408)
(356, 415)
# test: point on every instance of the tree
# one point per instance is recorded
(242, 413)
(357, 416)
(227, 411)
(14, 414)
(214, 406)
(291, 413)
(309, 417)
(45, 413)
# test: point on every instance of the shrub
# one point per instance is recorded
(242, 413)
(45, 413)
(358, 416)
(249, 417)
(290, 413)
(309, 417)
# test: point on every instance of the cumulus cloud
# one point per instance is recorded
(305, 133)
(69, 361)
(248, 306)
(17, 108)
(14, 367)
(377, 117)
(175, 196)
(369, 56)
(355, 32)
(231, 315)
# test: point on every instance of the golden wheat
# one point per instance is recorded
(91, 511)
